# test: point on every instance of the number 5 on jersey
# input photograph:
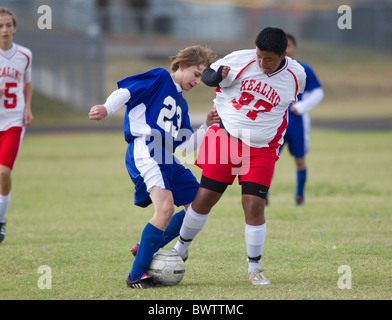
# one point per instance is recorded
(10, 100)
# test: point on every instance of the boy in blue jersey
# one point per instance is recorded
(298, 129)
(156, 122)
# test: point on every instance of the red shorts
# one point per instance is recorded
(222, 158)
(9, 146)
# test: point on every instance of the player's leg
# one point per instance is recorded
(5, 197)
(151, 186)
(184, 187)
(152, 235)
(301, 180)
(196, 216)
(213, 159)
(255, 186)
(253, 203)
(10, 142)
(298, 148)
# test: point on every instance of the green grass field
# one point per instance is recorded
(72, 211)
(72, 207)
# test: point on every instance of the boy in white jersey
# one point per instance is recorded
(15, 104)
(254, 90)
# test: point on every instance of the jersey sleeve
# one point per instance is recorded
(142, 85)
(312, 81)
(28, 73)
(236, 61)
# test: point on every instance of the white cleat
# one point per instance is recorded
(257, 277)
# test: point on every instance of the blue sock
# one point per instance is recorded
(173, 229)
(150, 243)
(301, 180)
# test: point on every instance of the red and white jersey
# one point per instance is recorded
(252, 105)
(15, 70)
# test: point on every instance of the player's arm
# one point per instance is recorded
(114, 102)
(308, 102)
(212, 78)
(28, 93)
(194, 141)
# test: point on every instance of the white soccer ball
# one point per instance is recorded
(167, 267)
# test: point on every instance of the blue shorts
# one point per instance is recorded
(295, 136)
(146, 173)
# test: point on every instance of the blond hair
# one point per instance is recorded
(8, 12)
(192, 56)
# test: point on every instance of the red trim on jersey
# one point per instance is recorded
(28, 58)
(280, 70)
(296, 84)
(274, 143)
(16, 50)
(239, 73)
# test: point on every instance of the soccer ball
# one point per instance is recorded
(167, 267)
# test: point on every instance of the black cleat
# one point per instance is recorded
(299, 200)
(2, 231)
(144, 282)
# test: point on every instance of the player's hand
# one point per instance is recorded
(225, 72)
(294, 110)
(212, 117)
(27, 117)
(97, 113)
(2, 90)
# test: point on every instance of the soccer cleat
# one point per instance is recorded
(144, 282)
(135, 248)
(257, 277)
(2, 231)
(299, 200)
(183, 257)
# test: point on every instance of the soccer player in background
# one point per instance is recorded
(15, 105)
(297, 136)
(254, 90)
(156, 122)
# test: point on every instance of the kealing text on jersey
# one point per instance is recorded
(10, 73)
(267, 91)
(198, 309)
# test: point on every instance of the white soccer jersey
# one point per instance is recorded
(15, 69)
(253, 106)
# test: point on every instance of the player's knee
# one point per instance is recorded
(5, 174)
(166, 209)
(254, 209)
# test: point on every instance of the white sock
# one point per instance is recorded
(4, 203)
(254, 239)
(191, 226)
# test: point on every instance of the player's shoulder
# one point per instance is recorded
(296, 67)
(238, 57)
(24, 50)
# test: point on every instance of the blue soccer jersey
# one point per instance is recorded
(156, 121)
(156, 107)
(298, 129)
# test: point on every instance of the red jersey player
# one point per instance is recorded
(254, 90)
(15, 104)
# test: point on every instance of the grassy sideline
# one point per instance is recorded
(72, 210)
